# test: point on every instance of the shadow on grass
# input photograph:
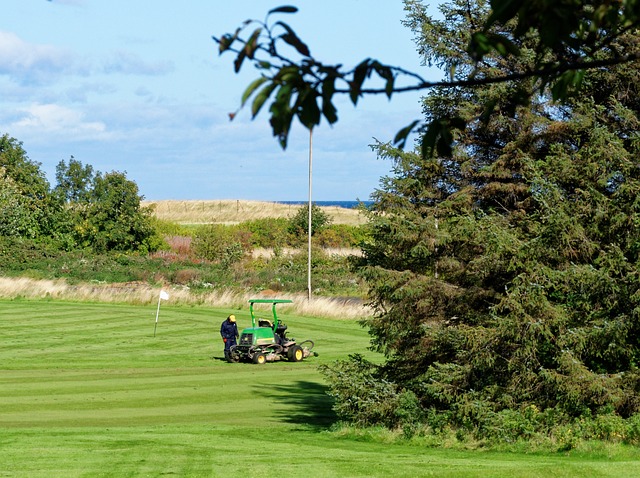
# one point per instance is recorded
(305, 403)
(220, 358)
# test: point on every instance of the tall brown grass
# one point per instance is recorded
(268, 253)
(236, 211)
(142, 294)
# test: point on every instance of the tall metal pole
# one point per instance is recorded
(309, 218)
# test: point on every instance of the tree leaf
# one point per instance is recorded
(566, 84)
(400, 139)
(255, 84)
(329, 111)
(389, 86)
(237, 64)
(295, 42)
(260, 98)
(252, 43)
(439, 136)
(430, 138)
(328, 87)
(478, 45)
(359, 74)
(307, 108)
(385, 73)
(292, 39)
(503, 45)
(281, 117)
(283, 9)
(224, 42)
(502, 11)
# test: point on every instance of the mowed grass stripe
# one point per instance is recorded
(122, 375)
(86, 390)
(206, 451)
(80, 386)
(146, 400)
(77, 323)
(108, 337)
(161, 397)
(120, 336)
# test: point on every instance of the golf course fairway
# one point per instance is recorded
(86, 390)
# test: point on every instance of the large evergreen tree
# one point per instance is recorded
(504, 271)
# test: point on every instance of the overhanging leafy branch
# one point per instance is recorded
(572, 37)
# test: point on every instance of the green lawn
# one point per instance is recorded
(86, 390)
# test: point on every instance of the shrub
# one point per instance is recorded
(299, 223)
(340, 235)
(222, 244)
(179, 244)
(508, 426)
(185, 276)
(632, 434)
(362, 398)
(610, 427)
(268, 232)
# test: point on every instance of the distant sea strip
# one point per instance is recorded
(344, 204)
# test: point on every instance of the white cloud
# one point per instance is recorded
(54, 119)
(131, 64)
(31, 63)
(81, 93)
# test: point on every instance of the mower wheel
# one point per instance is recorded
(232, 355)
(295, 354)
(259, 358)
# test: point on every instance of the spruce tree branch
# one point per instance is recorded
(547, 72)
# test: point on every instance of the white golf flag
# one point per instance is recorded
(164, 295)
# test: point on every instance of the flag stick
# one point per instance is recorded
(157, 313)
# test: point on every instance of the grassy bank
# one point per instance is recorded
(87, 390)
(237, 211)
(138, 293)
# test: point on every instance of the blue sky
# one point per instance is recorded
(138, 86)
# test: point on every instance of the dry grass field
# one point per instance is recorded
(141, 293)
(235, 211)
(201, 212)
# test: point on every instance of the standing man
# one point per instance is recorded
(229, 333)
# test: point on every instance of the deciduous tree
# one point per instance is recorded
(299, 223)
(113, 218)
(74, 180)
(15, 214)
(28, 190)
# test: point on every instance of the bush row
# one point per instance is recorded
(179, 265)
(364, 400)
(276, 233)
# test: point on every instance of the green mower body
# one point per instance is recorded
(266, 340)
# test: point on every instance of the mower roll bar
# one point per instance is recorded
(273, 303)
